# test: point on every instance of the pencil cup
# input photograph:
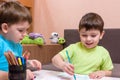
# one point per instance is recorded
(17, 72)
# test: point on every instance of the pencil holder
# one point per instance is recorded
(17, 72)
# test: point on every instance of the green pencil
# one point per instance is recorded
(70, 62)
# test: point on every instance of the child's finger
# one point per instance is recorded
(30, 75)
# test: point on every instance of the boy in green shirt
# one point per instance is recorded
(86, 56)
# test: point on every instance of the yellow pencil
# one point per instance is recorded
(19, 60)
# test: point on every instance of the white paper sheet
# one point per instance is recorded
(54, 75)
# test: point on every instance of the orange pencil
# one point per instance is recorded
(26, 54)
(13, 58)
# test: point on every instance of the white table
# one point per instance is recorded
(55, 75)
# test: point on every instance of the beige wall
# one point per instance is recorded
(57, 15)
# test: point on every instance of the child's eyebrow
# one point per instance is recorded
(22, 28)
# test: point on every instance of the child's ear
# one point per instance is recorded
(102, 34)
(4, 27)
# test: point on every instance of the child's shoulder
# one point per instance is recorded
(102, 48)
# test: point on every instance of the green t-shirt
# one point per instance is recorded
(86, 60)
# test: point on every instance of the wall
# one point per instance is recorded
(57, 15)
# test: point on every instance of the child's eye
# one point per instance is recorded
(20, 30)
(84, 35)
(93, 35)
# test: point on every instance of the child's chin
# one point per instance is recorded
(89, 47)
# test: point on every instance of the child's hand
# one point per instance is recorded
(69, 68)
(29, 75)
(34, 65)
(97, 75)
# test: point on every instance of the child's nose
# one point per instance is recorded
(88, 38)
(25, 33)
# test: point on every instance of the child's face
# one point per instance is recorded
(90, 38)
(16, 32)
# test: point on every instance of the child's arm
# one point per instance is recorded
(3, 75)
(100, 74)
(58, 61)
(33, 65)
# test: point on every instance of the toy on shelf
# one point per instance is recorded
(54, 37)
(33, 38)
(61, 40)
(35, 35)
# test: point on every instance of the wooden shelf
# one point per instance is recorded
(43, 53)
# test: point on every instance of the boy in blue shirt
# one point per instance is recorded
(87, 58)
(15, 19)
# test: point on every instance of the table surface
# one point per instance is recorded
(55, 75)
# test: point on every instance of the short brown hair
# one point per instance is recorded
(12, 12)
(91, 21)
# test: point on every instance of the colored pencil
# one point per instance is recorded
(70, 62)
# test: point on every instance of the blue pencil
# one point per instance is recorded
(70, 62)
